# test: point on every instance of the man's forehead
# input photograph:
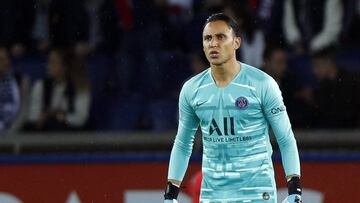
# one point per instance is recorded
(216, 27)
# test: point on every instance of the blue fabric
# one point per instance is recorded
(9, 100)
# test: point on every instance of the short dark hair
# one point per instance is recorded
(228, 20)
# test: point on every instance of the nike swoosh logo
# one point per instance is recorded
(200, 103)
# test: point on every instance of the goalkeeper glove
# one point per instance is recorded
(171, 193)
(170, 201)
(295, 198)
(294, 189)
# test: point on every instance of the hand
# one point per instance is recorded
(171, 193)
(170, 201)
(293, 199)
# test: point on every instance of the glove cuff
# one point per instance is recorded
(294, 186)
(171, 191)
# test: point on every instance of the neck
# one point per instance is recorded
(223, 74)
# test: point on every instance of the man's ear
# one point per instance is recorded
(237, 42)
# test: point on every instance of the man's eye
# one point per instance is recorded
(207, 38)
(221, 37)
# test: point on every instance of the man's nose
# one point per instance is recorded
(214, 42)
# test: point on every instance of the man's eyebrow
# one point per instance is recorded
(216, 34)
(220, 33)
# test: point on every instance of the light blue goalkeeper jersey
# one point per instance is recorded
(235, 122)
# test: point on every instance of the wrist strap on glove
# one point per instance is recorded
(171, 191)
(294, 186)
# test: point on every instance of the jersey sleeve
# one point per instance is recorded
(275, 112)
(182, 147)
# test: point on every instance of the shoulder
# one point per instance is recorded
(263, 83)
(196, 81)
(256, 74)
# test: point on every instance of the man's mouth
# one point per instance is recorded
(214, 54)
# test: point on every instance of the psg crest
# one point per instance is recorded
(241, 103)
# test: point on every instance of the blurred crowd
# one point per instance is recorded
(103, 65)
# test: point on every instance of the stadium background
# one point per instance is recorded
(137, 55)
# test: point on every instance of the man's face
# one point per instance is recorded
(321, 67)
(219, 42)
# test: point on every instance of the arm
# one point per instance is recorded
(275, 112)
(182, 148)
(81, 109)
(36, 101)
(291, 31)
(332, 25)
(24, 92)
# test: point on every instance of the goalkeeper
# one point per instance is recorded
(234, 104)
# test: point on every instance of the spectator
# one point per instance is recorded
(336, 98)
(109, 31)
(16, 21)
(87, 25)
(24, 84)
(69, 25)
(252, 40)
(62, 100)
(312, 25)
(40, 30)
(269, 14)
(296, 96)
(351, 31)
(144, 46)
(9, 92)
